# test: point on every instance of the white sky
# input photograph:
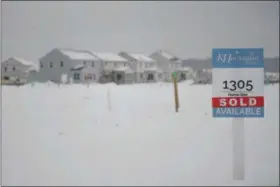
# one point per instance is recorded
(187, 29)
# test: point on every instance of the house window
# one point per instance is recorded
(61, 63)
(51, 64)
(6, 78)
(115, 64)
(14, 68)
(76, 76)
(41, 65)
(5, 69)
(85, 62)
(88, 76)
(150, 77)
(183, 76)
(124, 64)
(92, 64)
(141, 75)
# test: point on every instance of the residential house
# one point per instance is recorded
(61, 61)
(170, 63)
(203, 76)
(115, 68)
(16, 70)
(271, 77)
(145, 68)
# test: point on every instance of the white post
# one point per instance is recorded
(109, 99)
(238, 155)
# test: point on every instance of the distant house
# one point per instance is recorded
(271, 77)
(61, 61)
(17, 70)
(145, 68)
(115, 68)
(170, 63)
(203, 76)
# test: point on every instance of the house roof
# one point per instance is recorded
(168, 55)
(157, 69)
(78, 54)
(77, 67)
(184, 69)
(21, 60)
(107, 56)
(110, 68)
(123, 69)
(151, 69)
(141, 57)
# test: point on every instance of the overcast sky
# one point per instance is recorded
(187, 29)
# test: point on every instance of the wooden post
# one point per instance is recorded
(176, 96)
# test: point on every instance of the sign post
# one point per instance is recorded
(238, 93)
(176, 95)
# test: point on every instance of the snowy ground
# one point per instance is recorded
(67, 136)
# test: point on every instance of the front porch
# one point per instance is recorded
(123, 75)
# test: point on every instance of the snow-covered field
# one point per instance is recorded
(68, 136)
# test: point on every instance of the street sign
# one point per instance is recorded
(174, 74)
(238, 83)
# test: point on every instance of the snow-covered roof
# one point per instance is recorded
(110, 68)
(168, 55)
(78, 67)
(124, 69)
(78, 54)
(151, 69)
(22, 61)
(32, 68)
(107, 56)
(141, 57)
(186, 68)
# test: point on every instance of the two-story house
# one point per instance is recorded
(115, 68)
(17, 70)
(78, 65)
(145, 68)
(170, 63)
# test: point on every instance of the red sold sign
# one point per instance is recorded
(237, 102)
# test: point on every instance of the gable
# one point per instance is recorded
(54, 53)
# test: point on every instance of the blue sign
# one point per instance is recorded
(238, 112)
(238, 58)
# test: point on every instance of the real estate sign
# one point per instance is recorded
(238, 82)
